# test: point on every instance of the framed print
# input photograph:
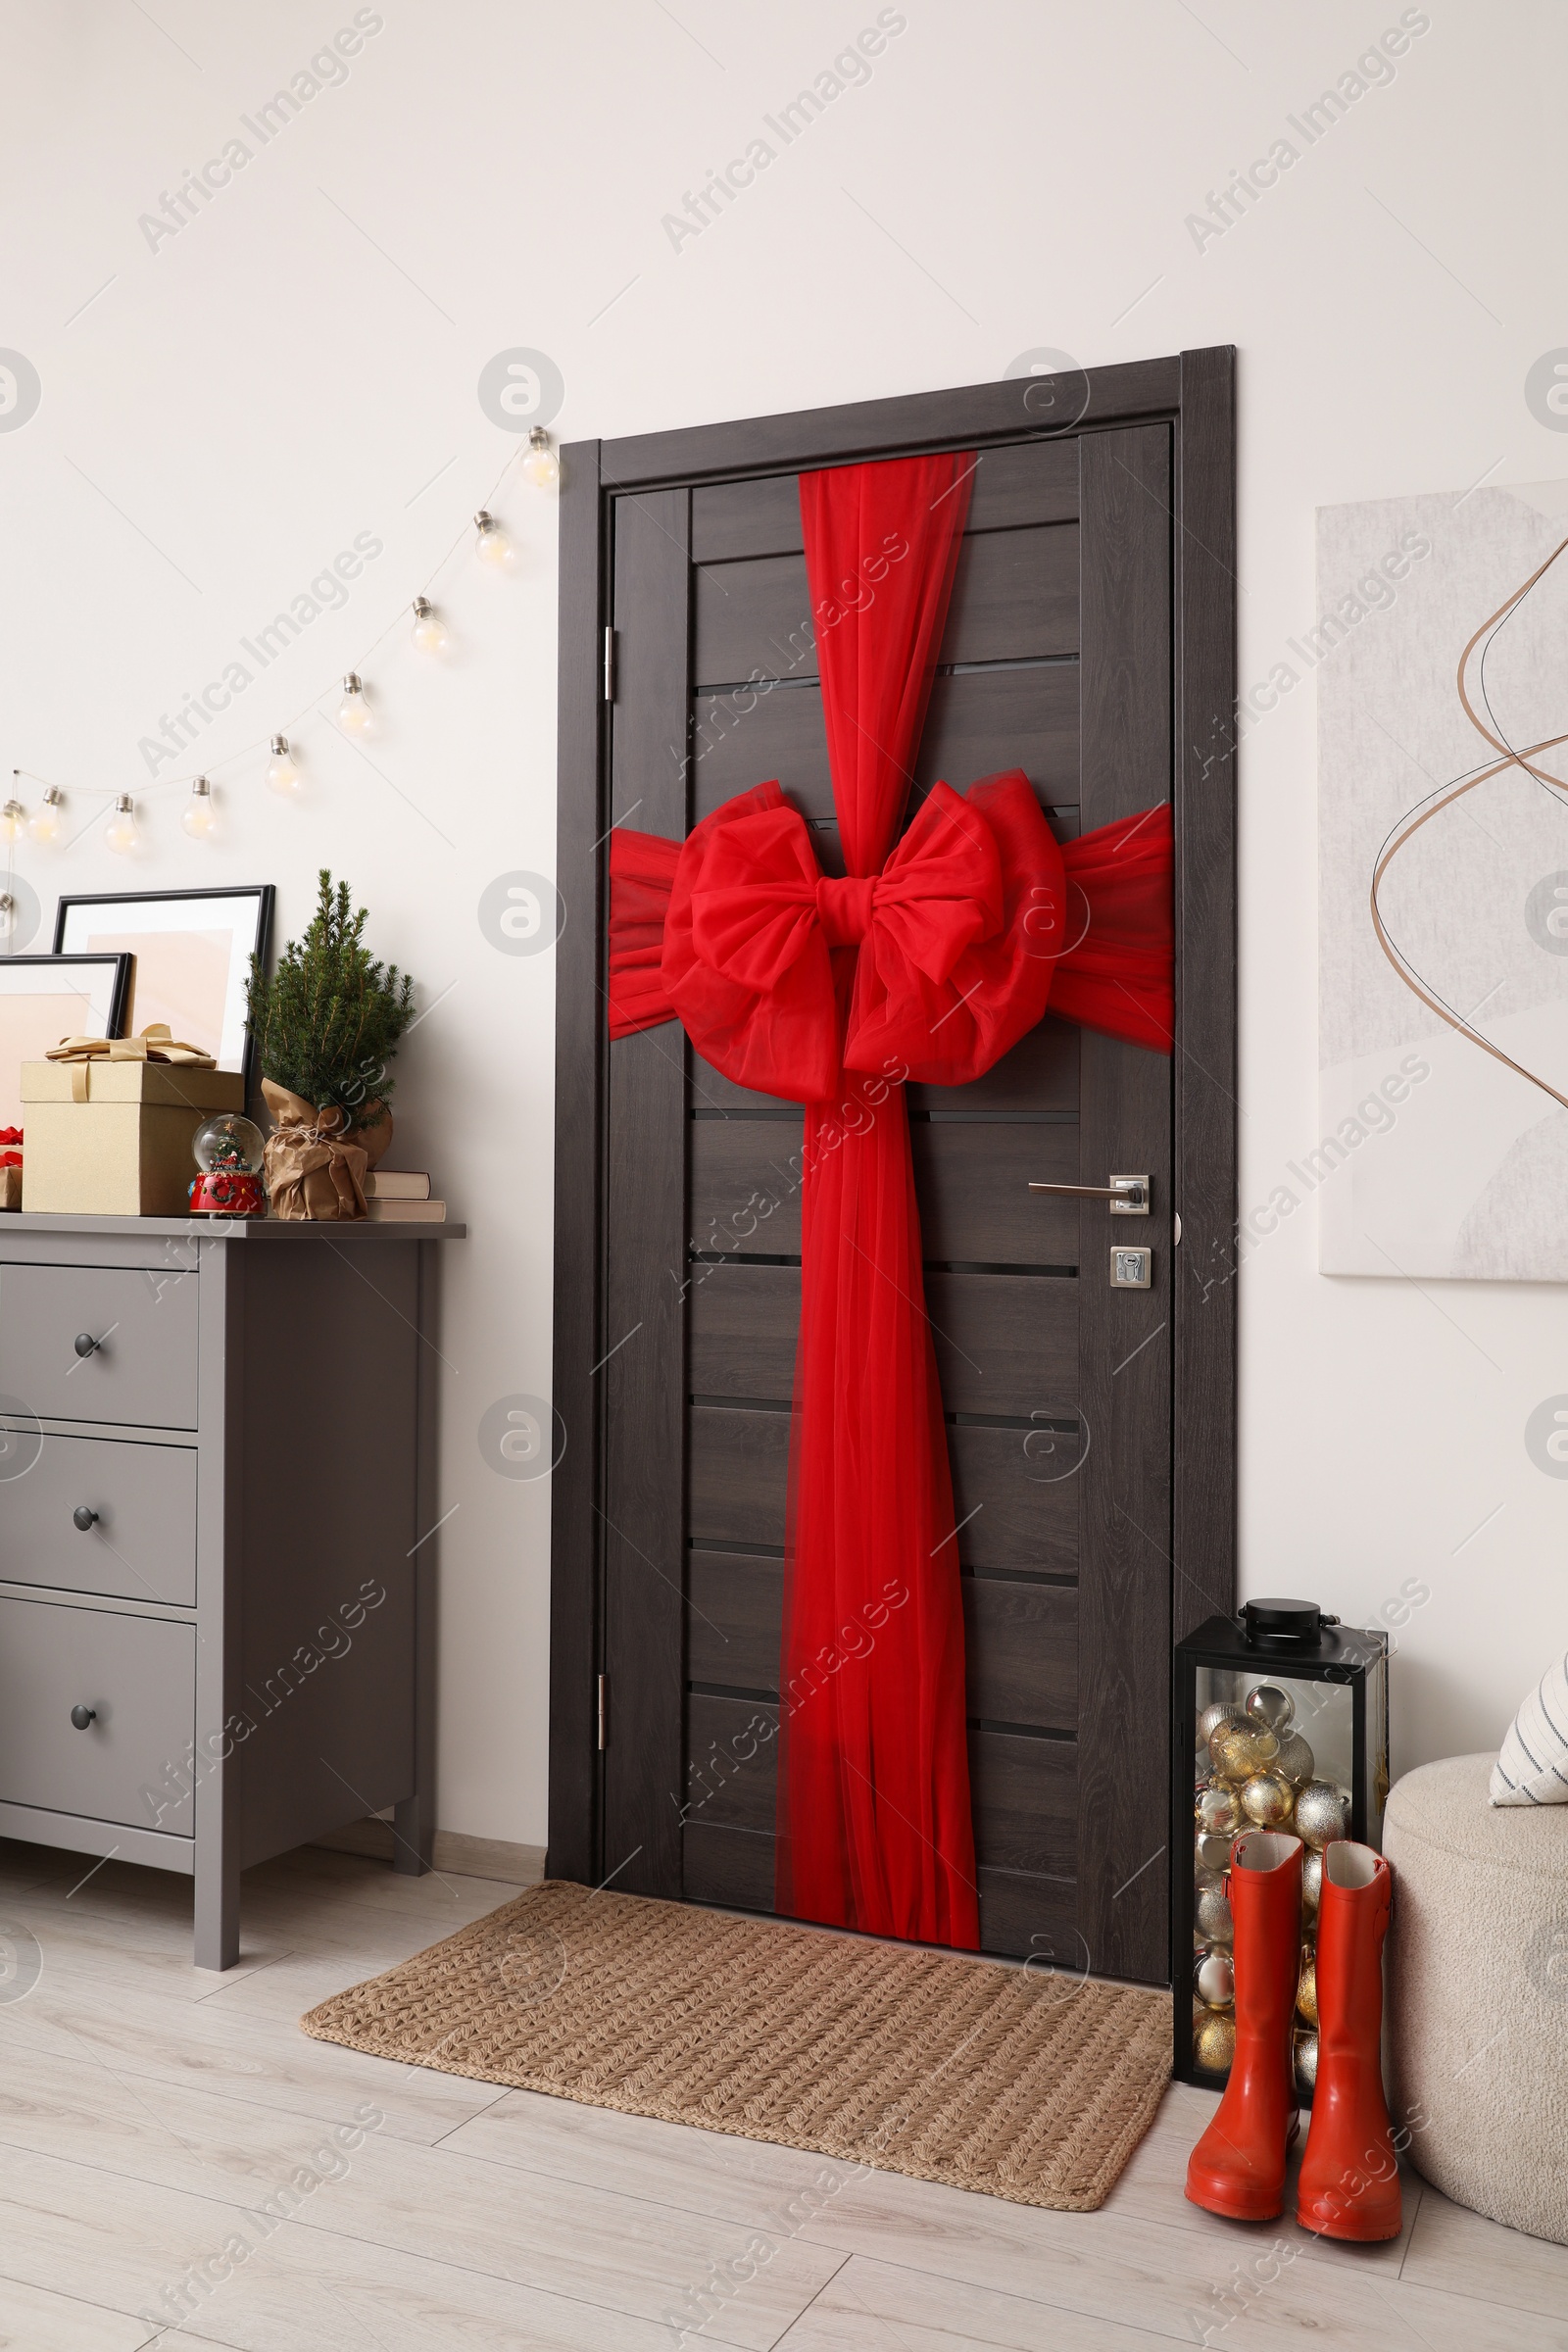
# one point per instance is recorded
(45, 998)
(193, 951)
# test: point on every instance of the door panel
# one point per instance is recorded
(645, 1192)
(1004, 1343)
(1024, 1788)
(739, 1469)
(980, 722)
(727, 1865)
(1033, 1916)
(1126, 1348)
(1015, 596)
(1022, 1636)
(973, 1180)
(1039, 1076)
(1055, 1387)
(1035, 481)
(1014, 1485)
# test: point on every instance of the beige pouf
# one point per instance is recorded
(1478, 1992)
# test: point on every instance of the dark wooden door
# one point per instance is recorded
(1059, 658)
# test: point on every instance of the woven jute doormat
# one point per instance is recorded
(1026, 2086)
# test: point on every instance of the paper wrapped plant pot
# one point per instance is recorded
(312, 1169)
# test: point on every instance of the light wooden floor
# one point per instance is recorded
(144, 2108)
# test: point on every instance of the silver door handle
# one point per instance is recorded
(1128, 1195)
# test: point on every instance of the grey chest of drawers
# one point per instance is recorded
(217, 1540)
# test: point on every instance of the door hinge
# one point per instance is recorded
(610, 666)
(604, 1710)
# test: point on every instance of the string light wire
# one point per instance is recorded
(307, 709)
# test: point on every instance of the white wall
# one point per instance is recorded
(300, 359)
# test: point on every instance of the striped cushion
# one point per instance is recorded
(1533, 1767)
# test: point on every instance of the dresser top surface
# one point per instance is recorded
(360, 1232)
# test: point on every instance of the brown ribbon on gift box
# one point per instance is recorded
(312, 1172)
(154, 1044)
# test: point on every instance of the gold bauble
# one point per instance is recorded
(1312, 1881)
(1273, 1708)
(1214, 2041)
(1322, 1812)
(1211, 1850)
(1305, 2061)
(1267, 1801)
(1214, 1977)
(1306, 1990)
(1295, 1759)
(1211, 1911)
(1209, 1721)
(1240, 1749)
(1220, 1810)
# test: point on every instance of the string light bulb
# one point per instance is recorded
(119, 834)
(13, 816)
(540, 464)
(197, 816)
(492, 547)
(282, 775)
(45, 825)
(354, 711)
(429, 632)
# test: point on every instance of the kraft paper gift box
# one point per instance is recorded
(113, 1139)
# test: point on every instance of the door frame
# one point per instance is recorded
(1193, 392)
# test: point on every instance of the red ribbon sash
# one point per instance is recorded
(928, 960)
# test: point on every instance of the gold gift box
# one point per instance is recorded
(113, 1139)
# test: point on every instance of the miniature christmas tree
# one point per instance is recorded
(328, 1021)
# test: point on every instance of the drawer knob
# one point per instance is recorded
(86, 1344)
(83, 1516)
(81, 1717)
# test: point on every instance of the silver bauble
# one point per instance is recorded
(1273, 1708)
(1240, 1749)
(1266, 1801)
(1214, 1977)
(1220, 1809)
(1311, 1883)
(1211, 1911)
(1322, 1813)
(1211, 1850)
(1305, 2061)
(1295, 1759)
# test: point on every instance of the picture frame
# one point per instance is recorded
(191, 951)
(45, 998)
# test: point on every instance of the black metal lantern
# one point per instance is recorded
(1281, 1722)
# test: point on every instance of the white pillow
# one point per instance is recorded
(1533, 1767)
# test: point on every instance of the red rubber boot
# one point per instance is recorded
(1238, 2167)
(1349, 2184)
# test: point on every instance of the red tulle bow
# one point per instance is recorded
(978, 921)
(951, 944)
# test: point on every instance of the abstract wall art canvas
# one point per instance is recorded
(1443, 769)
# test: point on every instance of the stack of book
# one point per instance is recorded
(394, 1195)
